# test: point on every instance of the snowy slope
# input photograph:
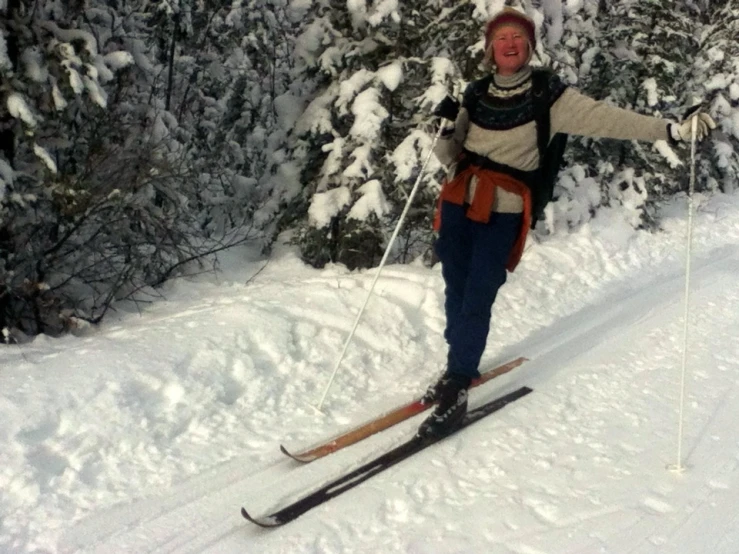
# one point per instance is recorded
(148, 434)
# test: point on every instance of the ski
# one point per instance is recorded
(384, 421)
(373, 467)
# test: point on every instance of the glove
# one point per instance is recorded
(448, 109)
(683, 131)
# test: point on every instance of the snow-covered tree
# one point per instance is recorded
(229, 87)
(136, 138)
(715, 80)
(651, 57)
(628, 54)
(382, 67)
(637, 55)
(53, 97)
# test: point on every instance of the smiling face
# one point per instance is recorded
(510, 49)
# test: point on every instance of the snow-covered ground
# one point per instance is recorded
(148, 434)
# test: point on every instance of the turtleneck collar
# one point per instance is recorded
(515, 80)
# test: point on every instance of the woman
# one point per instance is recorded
(484, 211)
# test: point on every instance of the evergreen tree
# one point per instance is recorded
(633, 64)
(626, 53)
(381, 68)
(714, 76)
(137, 138)
(571, 45)
(53, 75)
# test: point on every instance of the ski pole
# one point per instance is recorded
(382, 264)
(678, 467)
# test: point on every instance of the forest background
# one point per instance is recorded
(140, 138)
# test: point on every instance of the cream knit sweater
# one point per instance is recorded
(572, 113)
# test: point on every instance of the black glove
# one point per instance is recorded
(448, 109)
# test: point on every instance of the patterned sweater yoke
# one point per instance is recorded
(498, 103)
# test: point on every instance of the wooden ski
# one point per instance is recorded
(385, 421)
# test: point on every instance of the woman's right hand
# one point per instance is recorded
(447, 109)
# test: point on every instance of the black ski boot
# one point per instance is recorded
(451, 392)
(432, 393)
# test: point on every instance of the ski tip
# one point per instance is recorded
(296, 457)
(266, 522)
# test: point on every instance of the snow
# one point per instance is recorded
(715, 54)
(719, 81)
(289, 108)
(45, 157)
(33, 65)
(391, 75)
(118, 60)
(650, 85)
(299, 8)
(668, 153)
(553, 10)
(360, 166)
(732, 123)
(18, 108)
(139, 50)
(6, 172)
(332, 164)
(148, 433)
(59, 101)
(5, 62)
(350, 88)
(70, 35)
(326, 205)
(75, 81)
(311, 39)
(358, 11)
(583, 194)
(382, 10)
(97, 94)
(409, 155)
(484, 9)
(573, 6)
(369, 115)
(371, 201)
(630, 193)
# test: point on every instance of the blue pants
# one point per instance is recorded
(473, 259)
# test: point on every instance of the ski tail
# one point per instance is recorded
(266, 522)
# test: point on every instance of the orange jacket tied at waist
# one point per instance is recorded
(455, 191)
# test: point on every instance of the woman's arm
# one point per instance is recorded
(449, 146)
(576, 114)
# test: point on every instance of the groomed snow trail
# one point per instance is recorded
(149, 434)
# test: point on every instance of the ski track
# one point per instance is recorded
(200, 515)
(549, 474)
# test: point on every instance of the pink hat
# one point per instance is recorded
(510, 16)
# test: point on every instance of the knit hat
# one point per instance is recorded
(510, 16)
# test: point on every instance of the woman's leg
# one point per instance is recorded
(454, 249)
(485, 273)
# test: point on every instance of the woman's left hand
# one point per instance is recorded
(684, 131)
